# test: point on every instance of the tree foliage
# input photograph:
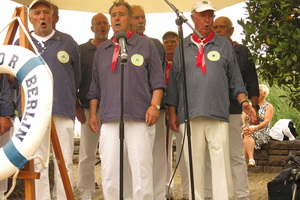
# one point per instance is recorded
(272, 33)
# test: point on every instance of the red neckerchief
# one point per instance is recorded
(232, 42)
(117, 49)
(168, 70)
(200, 61)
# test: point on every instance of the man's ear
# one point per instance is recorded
(231, 31)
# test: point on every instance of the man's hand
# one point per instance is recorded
(173, 119)
(94, 123)
(80, 114)
(5, 125)
(152, 115)
(256, 122)
(251, 112)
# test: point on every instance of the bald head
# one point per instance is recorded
(100, 27)
(98, 15)
(223, 26)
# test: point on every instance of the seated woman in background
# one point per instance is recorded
(257, 135)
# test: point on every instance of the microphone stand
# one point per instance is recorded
(121, 130)
(179, 21)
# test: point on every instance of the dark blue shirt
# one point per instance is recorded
(207, 94)
(143, 74)
(7, 105)
(61, 54)
(87, 51)
(162, 55)
(249, 76)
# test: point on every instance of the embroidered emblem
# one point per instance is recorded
(137, 60)
(63, 56)
(213, 56)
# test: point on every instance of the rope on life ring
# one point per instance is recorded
(37, 82)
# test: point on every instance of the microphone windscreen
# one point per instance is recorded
(121, 34)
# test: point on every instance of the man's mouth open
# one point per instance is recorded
(43, 24)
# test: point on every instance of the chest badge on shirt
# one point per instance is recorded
(63, 56)
(213, 56)
(137, 60)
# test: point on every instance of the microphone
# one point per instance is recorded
(122, 38)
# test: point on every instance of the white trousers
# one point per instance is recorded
(237, 161)
(87, 158)
(212, 134)
(184, 179)
(65, 131)
(160, 158)
(138, 145)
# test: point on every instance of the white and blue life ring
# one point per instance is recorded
(37, 82)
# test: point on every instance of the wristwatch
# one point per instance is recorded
(156, 106)
(244, 102)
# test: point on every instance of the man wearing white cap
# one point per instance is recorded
(211, 70)
(224, 27)
(60, 52)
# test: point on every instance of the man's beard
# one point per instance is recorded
(103, 37)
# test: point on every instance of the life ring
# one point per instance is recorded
(37, 82)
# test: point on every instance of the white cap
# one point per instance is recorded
(39, 1)
(203, 5)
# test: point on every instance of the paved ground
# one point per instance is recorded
(257, 186)
(98, 195)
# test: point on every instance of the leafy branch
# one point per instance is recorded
(272, 33)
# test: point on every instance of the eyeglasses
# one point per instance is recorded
(221, 27)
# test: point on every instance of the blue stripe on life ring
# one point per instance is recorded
(28, 66)
(14, 155)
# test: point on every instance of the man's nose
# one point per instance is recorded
(42, 16)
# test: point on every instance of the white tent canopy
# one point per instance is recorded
(157, 23)
(150, 6)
